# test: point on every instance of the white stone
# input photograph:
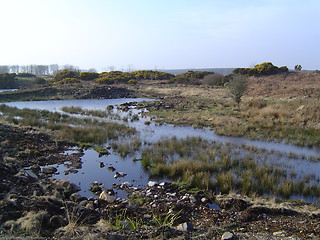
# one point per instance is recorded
(107, 197)
(227, 236)
(152, 183)
(185, 227)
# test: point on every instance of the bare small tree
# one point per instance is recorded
(297, 68)
(237, 87)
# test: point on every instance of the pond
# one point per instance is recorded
(303, 161)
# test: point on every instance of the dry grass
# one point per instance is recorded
(276, 108)
(33, 222)
(286, 85)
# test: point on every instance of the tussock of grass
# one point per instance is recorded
(33, 223)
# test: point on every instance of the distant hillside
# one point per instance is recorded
(223, 71)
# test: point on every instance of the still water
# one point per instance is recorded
(274, 153)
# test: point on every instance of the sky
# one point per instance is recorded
(160, 34)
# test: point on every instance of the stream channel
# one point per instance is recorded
(303, 160)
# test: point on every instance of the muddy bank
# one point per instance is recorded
(67, 92)
(34, 205)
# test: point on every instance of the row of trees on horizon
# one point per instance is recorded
(39, 70)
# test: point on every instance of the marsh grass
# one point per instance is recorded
(108, 113)
(208, 165)
(166, 219)
(125, 148)
(80, 130)
(123, 221)
(295, 121)
(76, 221)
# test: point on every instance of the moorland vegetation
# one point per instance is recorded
(269, 103)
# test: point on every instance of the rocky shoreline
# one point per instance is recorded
(34, 205)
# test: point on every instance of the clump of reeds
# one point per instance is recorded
(80, 130)
(198, 162)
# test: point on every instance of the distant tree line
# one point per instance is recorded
(38, 70)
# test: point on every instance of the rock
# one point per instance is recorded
(233, 204)
(49, 170)
(111, 169)
(96, 188)
(228, 236)
(23, 176)
(83, 203)
(204, 200)
(35, 168)
(108, 195)
(125, 225)
(300, 108)
(152, 183)
(185, 227)
(57, 221)
(31, 174)
(101, 164)
(65, 186)
(73, 171)
(110, 107)
(279, 233)
(120, 174)
(75, 197)
(147, 216)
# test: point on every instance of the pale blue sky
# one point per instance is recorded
(145, 34)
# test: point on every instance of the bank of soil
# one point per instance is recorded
(85, 91)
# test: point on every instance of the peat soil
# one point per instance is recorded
(33, 205)
(85, 91)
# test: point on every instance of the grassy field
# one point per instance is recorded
(275, 108)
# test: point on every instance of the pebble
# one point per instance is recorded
(228, 236)
(185, 227)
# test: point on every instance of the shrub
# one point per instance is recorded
(40, 81)
(258, 103)
(149, 74)
(237, 87)
(67, 81)
(88, 76)
(26, 75)
(113, 77)
(213, 79)
(283, 69)
(65, 74)
(266, 68)
(7, 80)
(132, 81)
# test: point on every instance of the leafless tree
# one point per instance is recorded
(237, 87)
